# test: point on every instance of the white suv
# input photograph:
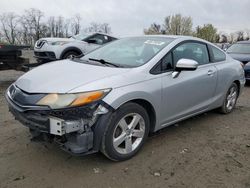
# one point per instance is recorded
(51, 49)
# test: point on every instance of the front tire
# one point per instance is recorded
(70, 55)
(126, 132)
(230, 99)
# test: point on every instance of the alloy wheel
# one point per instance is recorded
(128, 133)
(231, 98)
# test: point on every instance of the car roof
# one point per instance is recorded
(181, 37)
(167, 36)
(244, 42)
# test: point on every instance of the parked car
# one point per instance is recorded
(241, 52)
(110, 99)
(247, 72)
(51, 49)
(223, 46)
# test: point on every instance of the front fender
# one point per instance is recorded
(140, 91)
(120, 96)
(112, 103)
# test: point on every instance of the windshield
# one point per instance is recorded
(129, 52)
(239, 48)
(80, 36)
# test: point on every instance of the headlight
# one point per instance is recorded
(58, 43)
(56, 101)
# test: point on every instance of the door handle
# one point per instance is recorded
(210, 72)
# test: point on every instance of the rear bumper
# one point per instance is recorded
(72, 128)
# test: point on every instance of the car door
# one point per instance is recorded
(192, 91)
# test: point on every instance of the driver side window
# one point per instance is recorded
(191, 50)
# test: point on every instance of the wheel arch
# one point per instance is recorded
(101, 124)
(238, 85)
(74, 49)
(150, 111)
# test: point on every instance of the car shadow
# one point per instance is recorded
(167, 132)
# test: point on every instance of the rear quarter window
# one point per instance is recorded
(217, 55)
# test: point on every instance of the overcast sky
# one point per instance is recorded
(130, 17)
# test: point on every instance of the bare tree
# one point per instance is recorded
(240, 35)
(9, 22)
(33, 17)
(51, 25)
(223, 38)
(76, 24)
(105, 28)
(247, 35)
(31, 26)
(173, 25)
(154, 29)
(98, 27)
(178, 25)
(231, 37)
(66, 28)
(59, 26)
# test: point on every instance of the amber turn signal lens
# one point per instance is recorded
(87, 98)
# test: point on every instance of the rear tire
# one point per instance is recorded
(230, 99)
(126, 132)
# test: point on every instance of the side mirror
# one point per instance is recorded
(184, 65)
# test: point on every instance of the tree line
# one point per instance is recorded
(27, 28)
(183, 25)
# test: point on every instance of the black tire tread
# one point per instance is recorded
(112, 117)
(223, 109)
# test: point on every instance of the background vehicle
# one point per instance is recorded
(117, 94)
(223, 46)
(10, 57)
(241, 52)
(247, 72)
(50, 49)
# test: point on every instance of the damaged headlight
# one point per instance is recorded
(56, 101)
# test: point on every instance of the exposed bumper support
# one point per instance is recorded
(72, 128)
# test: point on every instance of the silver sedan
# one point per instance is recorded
(113, 97)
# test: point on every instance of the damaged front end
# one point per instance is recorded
(72, 128)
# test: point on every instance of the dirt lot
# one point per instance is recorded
(210, 150)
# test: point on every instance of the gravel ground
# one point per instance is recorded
(210, 150)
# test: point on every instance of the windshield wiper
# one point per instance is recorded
(102, 61)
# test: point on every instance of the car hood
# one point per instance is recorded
(240, 57)
(64, 76)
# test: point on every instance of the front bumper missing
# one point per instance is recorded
(70, 127)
